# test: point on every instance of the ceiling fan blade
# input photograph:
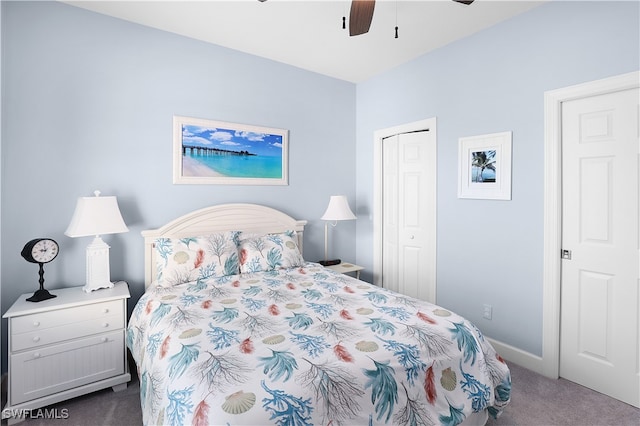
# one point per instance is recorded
(360, 16)
(467, 2)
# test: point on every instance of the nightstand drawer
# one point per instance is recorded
(62, 333)
(57, 368)
(61, 317)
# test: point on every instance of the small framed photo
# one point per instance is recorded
(484, 166)
(216, 152)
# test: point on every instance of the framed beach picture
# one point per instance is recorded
(484, 166)
(216, 152)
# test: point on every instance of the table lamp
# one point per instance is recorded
(96, 216)
(338, 209)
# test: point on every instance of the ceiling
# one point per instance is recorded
(308, 34)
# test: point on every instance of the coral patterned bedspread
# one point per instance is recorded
(308, 346)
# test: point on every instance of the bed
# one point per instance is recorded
(236, 328)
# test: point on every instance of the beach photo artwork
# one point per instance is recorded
(484, 166)
(214, 152)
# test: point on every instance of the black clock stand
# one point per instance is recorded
(41, 294)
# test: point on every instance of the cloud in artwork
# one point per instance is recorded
(250, 136)
(193, 139)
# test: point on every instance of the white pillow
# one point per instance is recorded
(269, 252)
(182, 260)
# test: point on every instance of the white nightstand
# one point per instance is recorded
(65, 347)
(345, 267)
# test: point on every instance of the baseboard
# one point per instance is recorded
(517, 356)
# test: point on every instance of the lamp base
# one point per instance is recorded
(41, 295)
(89, 287)
(329, 262)
(98, 275)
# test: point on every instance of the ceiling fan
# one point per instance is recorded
(361, 14)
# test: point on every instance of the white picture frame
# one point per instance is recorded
(217, 152)
(484, 166)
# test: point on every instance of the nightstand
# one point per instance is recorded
(65, 347)
(344, 268)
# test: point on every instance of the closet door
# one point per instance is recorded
(409, 218)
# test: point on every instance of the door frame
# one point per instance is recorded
(421, 125)
(553, 205)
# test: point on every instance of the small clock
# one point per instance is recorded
(40, 251)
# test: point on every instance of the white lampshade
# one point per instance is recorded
(338, 209)
(96, 216)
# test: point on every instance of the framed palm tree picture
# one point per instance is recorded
(484, 166)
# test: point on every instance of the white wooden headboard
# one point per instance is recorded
(252, 218)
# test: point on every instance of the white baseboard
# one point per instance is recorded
(517, 356)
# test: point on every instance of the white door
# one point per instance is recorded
(599, 345)
(408, 214)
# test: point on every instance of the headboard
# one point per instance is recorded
(252, 218)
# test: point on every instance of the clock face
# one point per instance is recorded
(44, 251)
(40, 250)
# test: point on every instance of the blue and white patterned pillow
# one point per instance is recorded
(182, 260)
(269, 252)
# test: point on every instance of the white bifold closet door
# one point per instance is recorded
(409, 214)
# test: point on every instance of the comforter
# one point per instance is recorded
(306, 345)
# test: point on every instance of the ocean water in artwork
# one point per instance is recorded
(478, 175)
(243, 166)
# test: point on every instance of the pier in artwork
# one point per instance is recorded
(207, 151)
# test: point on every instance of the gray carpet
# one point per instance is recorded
(539, 401)
(535, 400)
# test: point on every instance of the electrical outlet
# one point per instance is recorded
(487, 312)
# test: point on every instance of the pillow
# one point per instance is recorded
(182, 260)
(269, 252)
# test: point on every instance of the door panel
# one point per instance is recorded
(599, 292)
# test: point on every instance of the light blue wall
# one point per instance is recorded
(492, 251)
(87, 103)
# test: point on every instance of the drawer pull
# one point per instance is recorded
(36, 339)
(36, 355)
(36, 323)
(105, 311)
(104, 339)
(105, 325)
